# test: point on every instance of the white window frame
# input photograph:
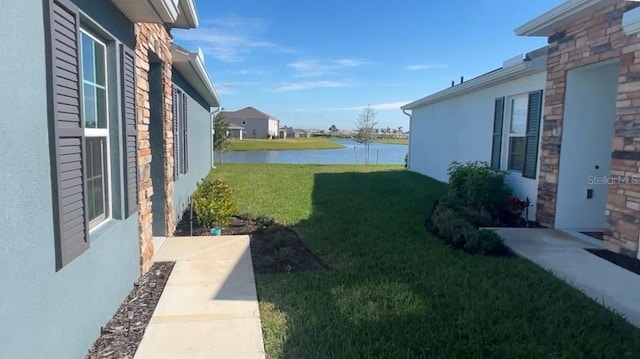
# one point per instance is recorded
(100, 132)
(506, 131)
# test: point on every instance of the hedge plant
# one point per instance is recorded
(212, 203)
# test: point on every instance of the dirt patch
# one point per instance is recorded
(626, 262)
(274, 248)
(121, 337)
(596, 235)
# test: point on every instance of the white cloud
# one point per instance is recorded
(380, 106)
(227, 88)
(425, 67)
(230, 38)
(306, 85)
(316, 67)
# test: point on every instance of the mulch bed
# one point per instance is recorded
(274, 248)
(597, 235)
(626, 262)
(118, 340)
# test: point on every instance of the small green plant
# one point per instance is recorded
(483, 241)
(213, 204)
(479, 186)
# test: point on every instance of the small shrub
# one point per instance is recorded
(212, 203)
(476, 217)
(483, 241)
(264, 222)
(479, 186)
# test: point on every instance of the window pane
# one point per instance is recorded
(101, 107)
(89, 106)
(100, 64)
(96, 181)
(516, 153)
(518, 115)
(88, 70)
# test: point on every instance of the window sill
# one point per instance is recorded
(102, 229)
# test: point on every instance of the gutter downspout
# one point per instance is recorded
(410, 115)
(213, 132)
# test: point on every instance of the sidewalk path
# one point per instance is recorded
(209, 307)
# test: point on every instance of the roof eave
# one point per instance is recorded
(191, 67)
(188, 15)
(505, 74)
(151, 11)
(567, 12)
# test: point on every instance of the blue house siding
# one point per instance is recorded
(199, 146)
(46, 313)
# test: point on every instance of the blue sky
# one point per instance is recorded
(315, 63)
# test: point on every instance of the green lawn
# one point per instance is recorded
(280, 144)
(395, 141)
(395, 292)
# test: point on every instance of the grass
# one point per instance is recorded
(283, 144)
(395, 141)
(393, 291)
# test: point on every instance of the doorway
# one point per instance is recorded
(156, 143)
(585, 156)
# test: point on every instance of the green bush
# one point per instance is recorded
(457, 225)
(476, 217)
(212, 203)
(479, 186)
(483, 241)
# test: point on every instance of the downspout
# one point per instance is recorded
(410, 115)
(213, 132)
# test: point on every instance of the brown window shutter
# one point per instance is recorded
(185, 116)
(130, 129)
(496, 147)
(176, 159)
(69, 190)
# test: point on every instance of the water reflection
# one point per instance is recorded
(353, 153)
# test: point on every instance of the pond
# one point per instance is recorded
(353, 153)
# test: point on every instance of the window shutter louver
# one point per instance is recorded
(176, 159)
(66, 130)
(185, 116)
(130, 129)
(498, 120)
(534, 113)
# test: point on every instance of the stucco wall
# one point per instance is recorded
(199, 147)
(460, 129)
(44, 313)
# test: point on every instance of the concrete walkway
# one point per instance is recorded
(564, 255)
(209, 307)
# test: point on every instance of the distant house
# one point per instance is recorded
(256, 124)
(235, 132)
(291, 132)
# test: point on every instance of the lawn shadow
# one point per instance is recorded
(394, 291)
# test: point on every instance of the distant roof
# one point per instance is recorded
(247, 112)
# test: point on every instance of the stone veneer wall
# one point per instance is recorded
(153, 38)
(597, 38)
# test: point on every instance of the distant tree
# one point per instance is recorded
(333, 129)
(365, 129)
(221, 134)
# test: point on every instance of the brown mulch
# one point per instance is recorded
(626, 262)
(274, 248)
(118, 340)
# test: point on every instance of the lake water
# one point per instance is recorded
(381, 152)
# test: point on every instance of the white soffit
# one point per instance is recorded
(191, 66)
(187, 16)
(566, 13)
(153, 11)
